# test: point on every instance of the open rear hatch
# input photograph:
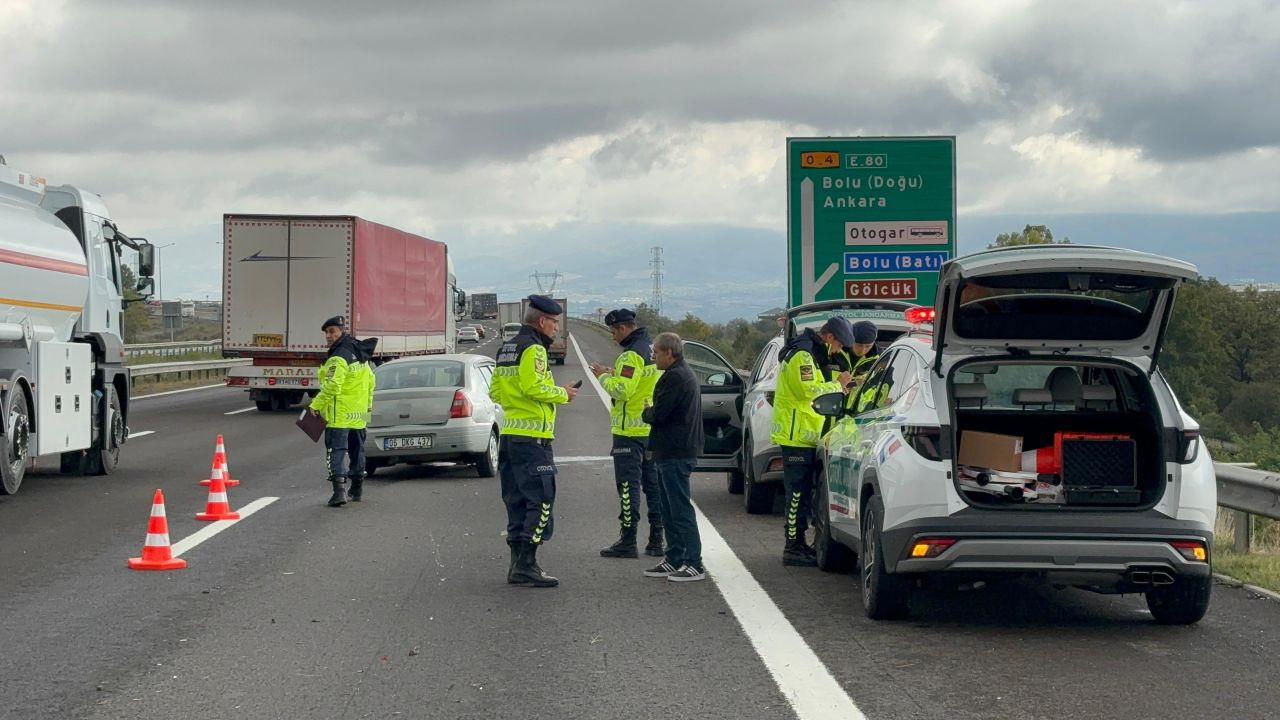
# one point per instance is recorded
(1051, 351)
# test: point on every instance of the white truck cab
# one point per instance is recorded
(64, 389)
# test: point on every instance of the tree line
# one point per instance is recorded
(1221, 355)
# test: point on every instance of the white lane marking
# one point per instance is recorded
(799, 673)
(583, 458)
(218, 526)
(242, 410)
(140, 433)
(175, 392)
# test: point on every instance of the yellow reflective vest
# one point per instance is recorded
(523, 386)
(345, 391)
(630, 385)
(802, 377)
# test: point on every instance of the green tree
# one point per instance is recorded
(1030, 235)
(137, 321)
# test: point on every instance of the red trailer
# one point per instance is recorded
(283, 275)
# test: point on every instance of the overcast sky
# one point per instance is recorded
(496, 120)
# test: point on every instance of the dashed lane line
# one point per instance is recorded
(801, 676)
(140, 433)
(241, 410)
(218, 526)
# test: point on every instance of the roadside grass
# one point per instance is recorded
(1260, 567)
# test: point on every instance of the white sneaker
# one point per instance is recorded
(662, 569)
(688, 573)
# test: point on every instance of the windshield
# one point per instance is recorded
(419, 374)
(1058, 306)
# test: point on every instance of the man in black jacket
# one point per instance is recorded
(675, 440)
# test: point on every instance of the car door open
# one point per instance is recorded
(722, 390)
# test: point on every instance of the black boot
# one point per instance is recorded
(655, 547)
(625, 547)
(339, 497)
(798, 554)
(512, 578)
(357, 487)
(526, 570)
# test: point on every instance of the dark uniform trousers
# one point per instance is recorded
(799, 470)
(631, 472)
(527, 470)
(341, 444)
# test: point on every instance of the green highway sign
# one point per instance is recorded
(869, 218)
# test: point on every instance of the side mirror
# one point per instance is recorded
(108, 232)
(146, 287)
(829, 405)
(718, 379)
(146, 260)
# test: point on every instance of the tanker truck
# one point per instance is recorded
(64, 388)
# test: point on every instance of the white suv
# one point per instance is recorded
(759, 465)
(1042, 355)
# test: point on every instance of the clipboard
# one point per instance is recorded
(312, 425)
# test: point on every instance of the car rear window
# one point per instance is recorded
(1058, 306)
(421, 374)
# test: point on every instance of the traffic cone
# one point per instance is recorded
(156, 554)
(217, 507)
(1045, 461)
(220, 458)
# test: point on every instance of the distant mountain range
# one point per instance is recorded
(721, 272)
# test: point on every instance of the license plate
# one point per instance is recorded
(295, 382)
(416, 442)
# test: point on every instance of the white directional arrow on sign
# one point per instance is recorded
(810, 284)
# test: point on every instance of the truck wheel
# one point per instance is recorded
(104, 462)
(1182, 603)
(884, 596)
(16, 442)
(560, 361)
(264, 405)
(832, 556)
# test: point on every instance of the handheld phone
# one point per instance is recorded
(577, 385)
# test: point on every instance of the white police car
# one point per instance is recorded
(1045, 350)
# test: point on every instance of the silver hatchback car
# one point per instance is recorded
(436, 408)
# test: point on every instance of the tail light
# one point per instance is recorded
(926, 440)
(1193, 550)
(461, 407)
(1188, 446)
(930, 547)
(237, 381)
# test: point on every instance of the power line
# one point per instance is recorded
(656, 263)
(550, 277)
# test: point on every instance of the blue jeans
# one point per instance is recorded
(684, 545)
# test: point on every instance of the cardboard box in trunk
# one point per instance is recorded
(991, 450)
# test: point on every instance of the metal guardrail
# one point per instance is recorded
(1248, 492)
(190, 367)
(172, 348)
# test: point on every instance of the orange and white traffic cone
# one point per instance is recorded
(156, 553)
(220, 458)
(217, 507)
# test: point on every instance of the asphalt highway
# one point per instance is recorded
(397, 607)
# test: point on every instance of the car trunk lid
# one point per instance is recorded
(1060, 299)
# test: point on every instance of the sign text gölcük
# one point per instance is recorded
(879, 211)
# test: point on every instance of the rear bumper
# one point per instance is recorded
(451, 440)
(1089, 549)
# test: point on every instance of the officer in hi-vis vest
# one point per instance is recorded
(523, 386)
